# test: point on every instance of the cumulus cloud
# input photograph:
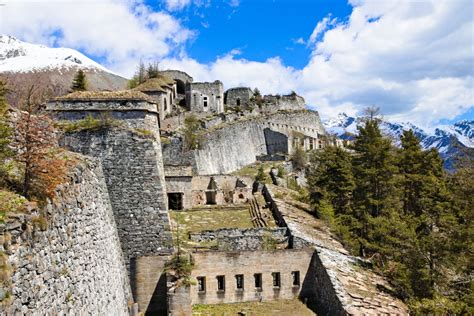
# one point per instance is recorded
(119, 32)
(270, 76)
(413, 59)
(320, 28)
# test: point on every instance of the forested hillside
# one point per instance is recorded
(401, 211)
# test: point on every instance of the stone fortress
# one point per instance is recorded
(155, 196)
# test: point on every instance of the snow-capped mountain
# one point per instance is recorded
(445, 138)
(18, 56)
(22, 63)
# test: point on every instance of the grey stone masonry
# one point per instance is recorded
(205, 97)
(75, 265)
(133, 168)
(238, 96)
(234, 239)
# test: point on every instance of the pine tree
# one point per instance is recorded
(330, 178)
(374, 170)
(410, 165)
(79, 83)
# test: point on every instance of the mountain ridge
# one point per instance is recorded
(22, 63)
(447, 139)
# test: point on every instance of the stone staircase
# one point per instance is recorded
(255, 212)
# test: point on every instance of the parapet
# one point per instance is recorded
(126, 100)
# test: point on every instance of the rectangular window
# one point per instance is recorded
(201, 284)
(276, 279)
(258, 280)
(205, 101)
(296, 278)
(221, 283)
(239, 280)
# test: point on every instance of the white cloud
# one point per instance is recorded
(413, 59)
(174, 5)
(270, 76)
(320, 28)
(120, 32)
(299, 40)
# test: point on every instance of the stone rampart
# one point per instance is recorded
(234, 239)
(75, 266)
(229, 147)
(131, 156)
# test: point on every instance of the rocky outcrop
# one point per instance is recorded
(72, 263)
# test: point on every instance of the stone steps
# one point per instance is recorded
(256, 214)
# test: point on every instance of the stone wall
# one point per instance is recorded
(273, 103)
(149, 284)
(247, 263)
(205, 97)
(341, 283)
(238, 96)
(75, 266)
(134, 174)
(234, 239)
(229, 147)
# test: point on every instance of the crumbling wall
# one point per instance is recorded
(238, 96)
(205, 97)
(75, 266)
(234, 239)
(274, 103)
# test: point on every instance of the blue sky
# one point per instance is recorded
(412, 58)
(259, 29)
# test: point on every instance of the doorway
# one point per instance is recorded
(175, 201)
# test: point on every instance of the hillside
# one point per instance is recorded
(22, 64)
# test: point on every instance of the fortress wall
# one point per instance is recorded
(75, 266)
(231, 148)
(134, 175)
(236, 145)
(247, 263)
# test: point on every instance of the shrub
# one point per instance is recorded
(182, 266)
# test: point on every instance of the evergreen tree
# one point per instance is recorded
(79, 83)
(330, 177)
(374, 170)
(410, 165)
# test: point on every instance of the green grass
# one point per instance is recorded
(280, 307)
(194, 221)
(252, 170)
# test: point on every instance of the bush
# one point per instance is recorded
(182, 267)
(10, 203)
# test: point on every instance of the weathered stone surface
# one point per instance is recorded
(234, 239)
(133, 170)
(76, 265)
